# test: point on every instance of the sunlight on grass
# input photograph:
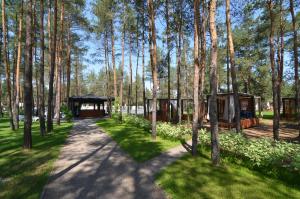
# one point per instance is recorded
(136, 141)
(23, 173)
(197, 178)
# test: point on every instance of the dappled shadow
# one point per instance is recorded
(92, 165)
(19, 166)
(135, 141)
(197, 177)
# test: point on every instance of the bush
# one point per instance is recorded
(137, 121)
(67, 113)
(173, 132)
(262, 152)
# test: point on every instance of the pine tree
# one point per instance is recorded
(215, 150)
(28, 78)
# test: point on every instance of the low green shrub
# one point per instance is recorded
(137, 121)
(173, 132)
(67, 113)
(262, 152)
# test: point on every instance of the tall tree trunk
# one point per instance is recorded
(1, 112)
(35, 107)
(7, 66)
(68, 60)
(113, 59)
(280, 56)
(107, 69)
(41, 70)
(28, 79)
(296, 62)
(275, 82)
(59, 65)
(51, 76)
(168, 58)
(143, 63)
(215, 149)
(235, 85)
(130, 74)
(137, 66)
(77, 76)
(153, 60)
(122, 72)
(178, 71)
(202, 60)
(196, 78)
(17, 69)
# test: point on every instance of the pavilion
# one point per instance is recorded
(90, 106)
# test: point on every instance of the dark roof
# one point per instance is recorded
(231, 93)
(91, 98)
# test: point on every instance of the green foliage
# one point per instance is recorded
(136, 141)
(173, 132)
(137, 122)
(262, 152)
(67, 113)
(23, 173)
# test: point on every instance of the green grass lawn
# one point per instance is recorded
(135, 141)
(197, 178)
(23, 173)
(266, 115)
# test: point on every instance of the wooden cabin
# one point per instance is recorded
(289, 107)
(90, 106)
(162, 110)
(249, 105)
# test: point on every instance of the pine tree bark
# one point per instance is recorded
(280, 53)
(202, 61)
(51, 76)
(122, 72)
(275, 82)
(178, 71)
(59, 65)
(137, 66)
(130, 74)
(41, 71)
(215, 149)
(196, 79)
(168, 57)
(296, 62)
(235, 85)
(153, 61)
(17, 69)
(143, 63)
(28, 79)
(68, 60)
(1, 112)
(7, 65)
(113, 59)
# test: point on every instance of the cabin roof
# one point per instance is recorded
(90, 98)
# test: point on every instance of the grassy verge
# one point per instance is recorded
(23, 173)
(197, 178)
(137, 142)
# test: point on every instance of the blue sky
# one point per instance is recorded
(93, 44)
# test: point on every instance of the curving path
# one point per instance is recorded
(92, 165)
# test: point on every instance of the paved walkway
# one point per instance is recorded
(91, 165)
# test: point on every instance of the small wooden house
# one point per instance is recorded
(162, 110)
(90, 106)
(289, 107)
(249, 105)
